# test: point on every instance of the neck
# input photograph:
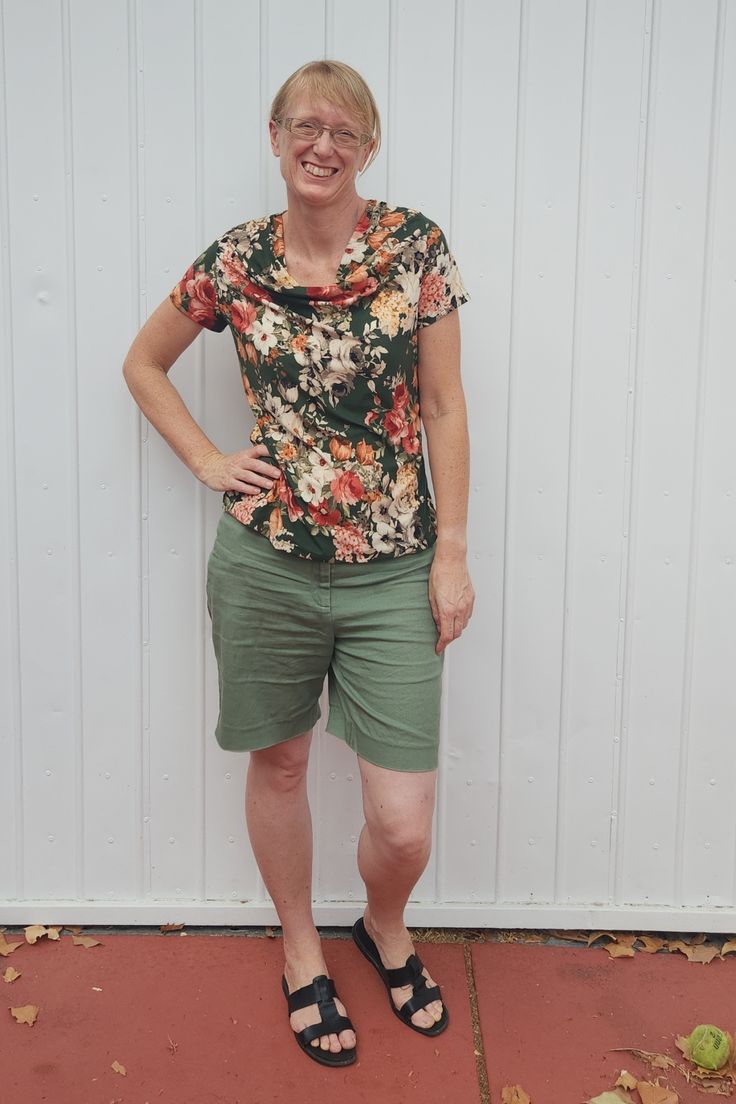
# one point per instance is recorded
(318, 232)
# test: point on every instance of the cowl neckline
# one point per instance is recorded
(356, 277)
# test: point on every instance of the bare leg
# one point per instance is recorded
(280, 829)
(393, 850)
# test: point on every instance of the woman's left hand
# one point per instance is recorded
(451, 597)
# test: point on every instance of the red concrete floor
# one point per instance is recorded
(201, 1019)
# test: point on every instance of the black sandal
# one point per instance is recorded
(321, 991)
(410, 974)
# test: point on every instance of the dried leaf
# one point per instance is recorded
(599, 935)
(728, 947)
(10, 974)
(626, 1080)
(654, 1093)
(574, 936)
(119, 1069)
(85, 941)
(652, 943)
(694, 953)
(170, 927)
(514, 1094)
(35, 932)
(8, 948)
(657, 1061)
(26, 1014)
(619, 950)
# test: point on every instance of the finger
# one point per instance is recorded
(265, 469)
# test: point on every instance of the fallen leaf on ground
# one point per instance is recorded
(35, 932)
(652, 944)
(573, 935)
(728, 947)
(119, 1069)
(599, 935)
(85, 941)
(170, 927)
(694, 953)
(26, 1014)
(619, 950)
(8, 948)
(514, 1094)
(10, 974)
(626, 1080)
(654, 1093)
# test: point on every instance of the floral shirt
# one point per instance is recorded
(331, 376)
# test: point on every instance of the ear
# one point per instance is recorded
(367, 156)
(273, 131)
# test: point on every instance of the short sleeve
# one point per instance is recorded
(196, 293)
(441, 287)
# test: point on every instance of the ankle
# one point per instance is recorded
(386, 928)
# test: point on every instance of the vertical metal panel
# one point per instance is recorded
(602, 396)
(175, 641)
(11, 778)
(664, 459)
(482, 238)
(548, 142)
(41, 296)
(706, 845)
(99, 66)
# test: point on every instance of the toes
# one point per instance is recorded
(347, 1039)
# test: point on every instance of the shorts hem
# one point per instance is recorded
(231, 739)
(372, 751)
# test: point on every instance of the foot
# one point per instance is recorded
(303, 973)
(394, 949)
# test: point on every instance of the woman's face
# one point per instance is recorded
(317, 170)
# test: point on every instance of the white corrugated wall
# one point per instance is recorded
(581, 158)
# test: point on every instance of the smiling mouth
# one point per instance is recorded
(318, 170)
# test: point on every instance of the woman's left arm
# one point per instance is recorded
(443, 413)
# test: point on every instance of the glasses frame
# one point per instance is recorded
(286, 123)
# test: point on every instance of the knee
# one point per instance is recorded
(403, 838)
(282, 767)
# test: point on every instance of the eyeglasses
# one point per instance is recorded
(311, 131)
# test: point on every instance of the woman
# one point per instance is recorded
(331, 557)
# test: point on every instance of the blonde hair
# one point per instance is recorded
(338, 83)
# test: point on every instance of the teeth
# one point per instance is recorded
(314, 170)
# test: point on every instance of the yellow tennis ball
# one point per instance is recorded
(709, 1046)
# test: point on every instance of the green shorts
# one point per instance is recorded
(280, 623)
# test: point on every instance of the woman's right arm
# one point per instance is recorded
(158, 345)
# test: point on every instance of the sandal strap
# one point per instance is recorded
(329, 1026)
(420, 999)
(320, 991)
(410, 974)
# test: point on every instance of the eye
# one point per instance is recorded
(304, 128)
(348, 137)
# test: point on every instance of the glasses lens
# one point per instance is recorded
(304, 129)
(346, 138)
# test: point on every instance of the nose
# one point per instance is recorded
(323, 144)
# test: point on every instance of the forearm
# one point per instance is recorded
(165, 409)
(448, 450)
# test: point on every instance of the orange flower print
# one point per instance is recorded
(347, 488)
(392, 219)
(275, 523)
(287, 451)
(365, 453)
(286, 495)
(340, 448)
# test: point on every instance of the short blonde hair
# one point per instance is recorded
(338, 83)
